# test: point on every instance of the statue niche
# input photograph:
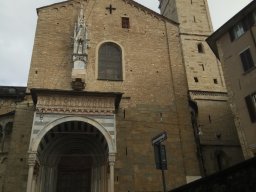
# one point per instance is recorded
(80, 54)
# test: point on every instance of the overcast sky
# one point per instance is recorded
(17, 29)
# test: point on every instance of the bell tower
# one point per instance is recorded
(193, 15)
(214, 121)
(203, 70)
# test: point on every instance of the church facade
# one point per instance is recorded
(105, 77)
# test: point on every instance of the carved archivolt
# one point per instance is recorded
(75, 104)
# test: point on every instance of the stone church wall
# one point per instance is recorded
(15, 177)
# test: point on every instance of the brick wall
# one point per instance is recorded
(16, 176)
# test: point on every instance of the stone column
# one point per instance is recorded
(101, 181)
(33, 188)
(104, 178)
(55, 178)
(92, 180)
(42, 179)
(39, 181)
(96, 178)
(30, 177)
(47, 179)
(51, 177)
(31, 163)
(111, 160)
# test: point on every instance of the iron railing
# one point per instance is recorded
(238, 178)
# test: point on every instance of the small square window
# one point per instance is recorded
(247, 60)
(196, 79)
(125, 22)
(215, 81)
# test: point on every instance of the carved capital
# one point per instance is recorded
(112, 158)
(32, 158)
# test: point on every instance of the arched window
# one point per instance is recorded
(110, 62)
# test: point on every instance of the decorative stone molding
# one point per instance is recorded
(208, 95)
(32, 158)
(112, 158)
(75, 104)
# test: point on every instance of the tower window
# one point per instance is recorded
(200, 48)
(215, 81)
(196, 79)
(110, 62)
(125, 22)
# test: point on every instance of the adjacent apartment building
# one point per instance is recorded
(235, 45)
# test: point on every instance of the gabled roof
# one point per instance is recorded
(225, 28)
(132, 2)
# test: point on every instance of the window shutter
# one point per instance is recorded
(244, 60)
(247, 60)
(251, 108)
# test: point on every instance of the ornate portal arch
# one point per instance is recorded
(78, 127)
(37, 139)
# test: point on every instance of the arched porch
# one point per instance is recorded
(71, 154)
